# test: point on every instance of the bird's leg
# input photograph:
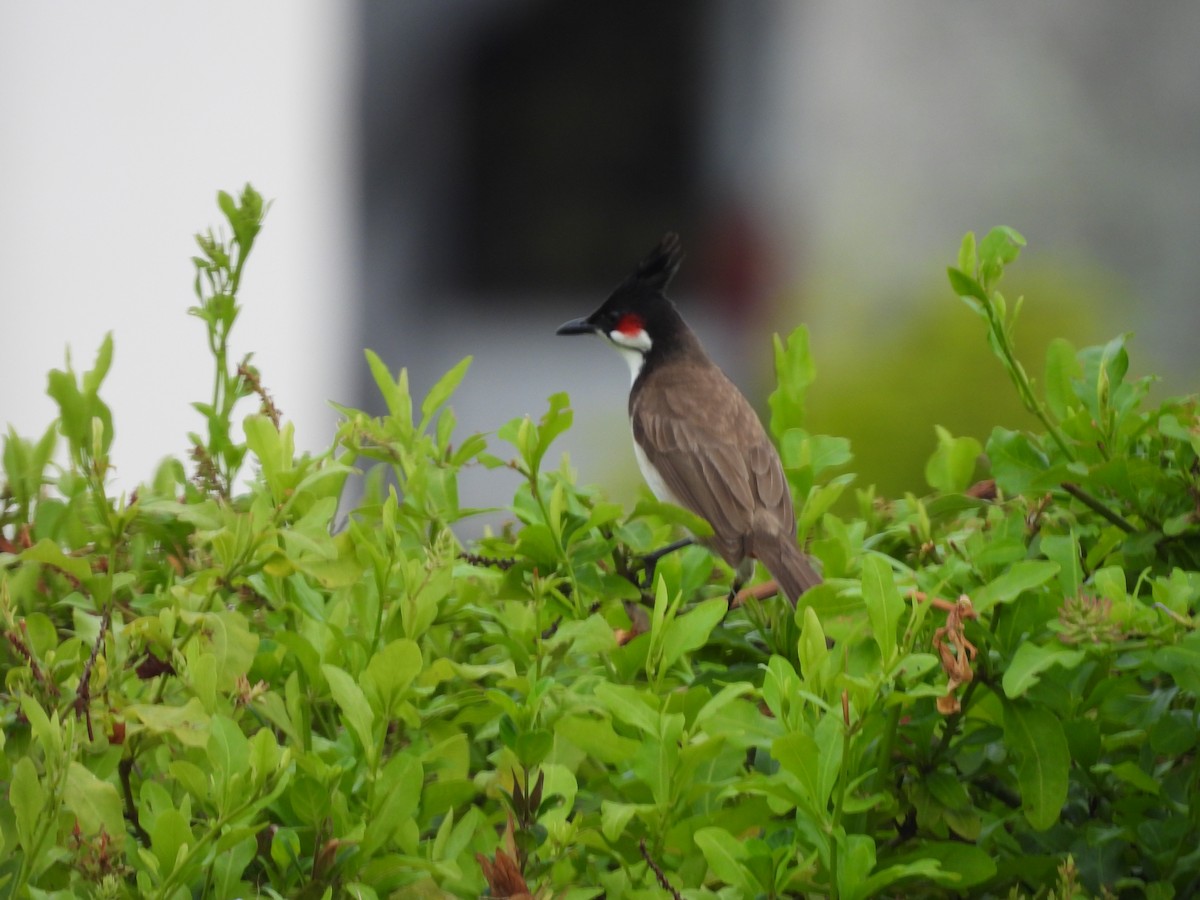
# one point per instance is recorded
(741, 574)
(650, 560)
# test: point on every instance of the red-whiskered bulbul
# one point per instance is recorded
(697, 440)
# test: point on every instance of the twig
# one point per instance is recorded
(83, 693)
(487, 561)
(658, 873)
(23, 650)
(250, 375)
(1096, 506)
(761, 591)
(124, 768)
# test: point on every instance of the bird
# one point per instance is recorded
(698, 442)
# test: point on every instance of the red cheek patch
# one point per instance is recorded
(631, 324)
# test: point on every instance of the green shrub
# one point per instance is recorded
(222, 693)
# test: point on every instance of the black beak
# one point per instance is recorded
(576, 326)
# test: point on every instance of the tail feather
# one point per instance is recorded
(791, 568)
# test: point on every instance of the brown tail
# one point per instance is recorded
(792, 570)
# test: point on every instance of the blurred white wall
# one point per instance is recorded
(118, 124)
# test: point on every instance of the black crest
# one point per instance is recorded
(661, 264)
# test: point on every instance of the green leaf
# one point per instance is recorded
(730, 693)
(354, 706)
(1021, 576)
(94, 378)
(398, 795)
(188, 723)
(1063, 549)
(615, 816)
(1031, 660)
(881, 878)
(28, 799)
(795, 372)
(557, 419)
(799, 754)
(690, 631)
(391, 671)
(48, 553)
(962, 865)
(884, 604)
(1035, 735)
(228, 749)
(274, 455)
(966, 287)
(813, 649)
(169, 832)
(1017, 464)
(669, 512)
(1062, 371)
(1182, 662)
(229, 866)
(998, 249)
(227, 635)
(597, 738)
(394, 392)
(725, 856)
(952, 465)
(441, 392)
(968, 261)
(95, 804)
(657, 759)
(815, 453)
(830, 739)
(1132, 774)
(532, 747)
(629, 705)
(856, 861)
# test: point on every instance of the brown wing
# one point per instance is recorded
(713, 454)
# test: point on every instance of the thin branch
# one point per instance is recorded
(83, 693)
(658, 872)
(124, 768)
(1096, 506)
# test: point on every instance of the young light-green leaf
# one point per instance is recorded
(1062, 371)
(795, 372)
(441, 392)
(952, 465)
(95, 803)
(395, 392)
(391, 671)
(967, 288)
(355, 709)
(884, 604)
(28, 799)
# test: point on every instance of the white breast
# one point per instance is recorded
(658, 487)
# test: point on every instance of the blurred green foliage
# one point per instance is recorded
(887, 381)
(223, 694)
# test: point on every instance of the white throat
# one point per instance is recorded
(633, 347)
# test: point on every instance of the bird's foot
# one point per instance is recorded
(650, 560)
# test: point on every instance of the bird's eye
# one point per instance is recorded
(631, 324)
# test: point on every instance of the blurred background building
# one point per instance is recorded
(454, 179)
